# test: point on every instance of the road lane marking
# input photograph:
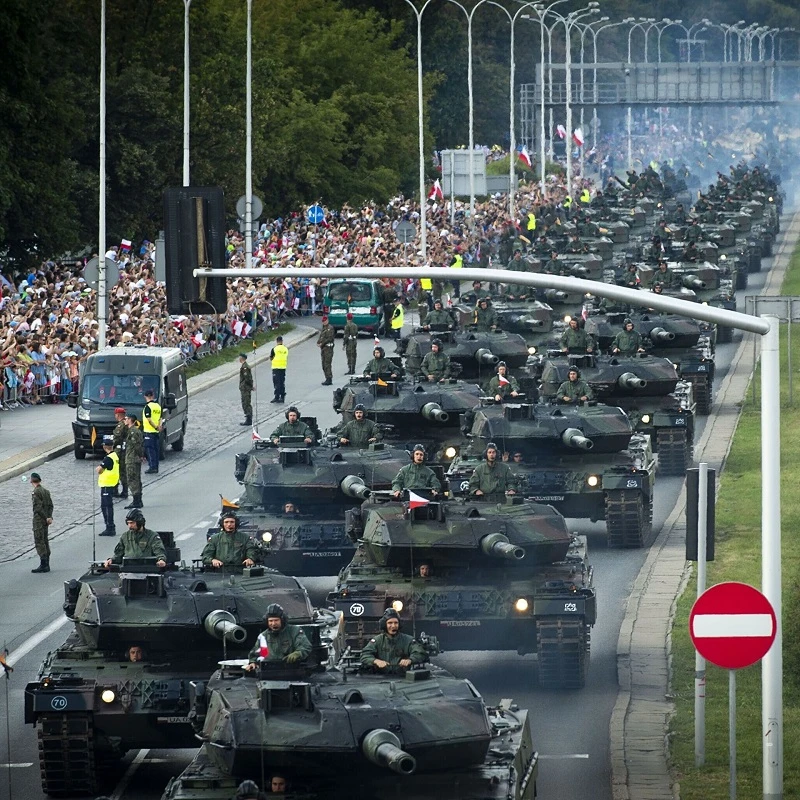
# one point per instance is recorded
(183, 536)
(130, 772)
(19, 765)
(564, 755)
(36, 640)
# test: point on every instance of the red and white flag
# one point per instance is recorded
(502, 380)
(198, 340)
(256, 437)
(415, 501)
(376, 340)
(524, 156)
(125, 244)
(263, 647)
(577, 137)
(436, 192)
(241, 328)
(561, 131)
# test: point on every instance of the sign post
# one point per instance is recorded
(315, 215)
(733, 626)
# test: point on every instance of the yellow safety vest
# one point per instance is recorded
(586, 197)
(397, 318)
(458, 261)
(567, 202)
(281, 356)
(426, 284)
(109, 477)
(531, 221)
(150, 424)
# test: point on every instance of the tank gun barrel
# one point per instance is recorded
(353, 486)
(660, 335)
(383, 749)
(433, 412)
(531, 323)
(222, 625)
(555, 294)
(578, 269)
(629, 380)
(693, 282)
(572, 437)
(498, 546)
(485, 356)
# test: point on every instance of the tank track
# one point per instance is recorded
(629, 521)
(563, 649)
(701, 389)
(67, 754)
(724, 334)
(674, 451)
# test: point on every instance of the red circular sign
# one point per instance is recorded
(732, 625)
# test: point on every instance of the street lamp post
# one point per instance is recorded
(101, 234)
(186, 5)
(640, 23)
(248, 165)
(595, 98)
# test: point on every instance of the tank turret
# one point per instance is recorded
(572, 437)
(433, 412)
(692, 282)
(222, 625)
(353, 486)
(485, 356)
(498, 546)
(382, 748)
(629, 380)
(661, 336)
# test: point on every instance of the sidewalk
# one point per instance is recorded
(32, 435)
(640, 719)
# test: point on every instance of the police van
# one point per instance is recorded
(360, 297)
(119, 377)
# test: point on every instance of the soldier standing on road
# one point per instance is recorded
(325, 342)
(120, 435)
(279, 356)
(107, 480)
(416, 475)
(390, 649)
(350, 344)
(134, 456)
(491, 476)
(246, 389)
(42, 520)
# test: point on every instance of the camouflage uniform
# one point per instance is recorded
(663, 277)
(325, 341)
(134, 452)
(575, 340)
(439, 319)
(359, 432)
(383, 366)
(494, 478)
(495, 387)
(230, 548)
(415, 476)
(120, 436)
(574, 390)
(298, 428)
(485, 319)
(436, 364)
(393, 649)
(351, 345)
(139, 544)
(627, 342)
(246, 389)
(290, 639)
(42, 511)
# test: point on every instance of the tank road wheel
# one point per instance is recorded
(701, 389)
(563, 651)
(66, 754)
(674, 451)
(628, 518)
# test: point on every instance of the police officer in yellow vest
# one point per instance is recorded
(457, 263)
(531, 226)
(107, 480)
(397, 318)
(424, 300)
(567, 202)
(279, 356)
(151, 425)
(586, 197)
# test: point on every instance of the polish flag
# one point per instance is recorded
(125, 244)
(524, 156)
(561, 131)
(415, 501)
(241, 328)
(436, 192)
(198, 340)
(577, 137)
(256, 437)
(263, 647)
(502, 380)
(376, 340)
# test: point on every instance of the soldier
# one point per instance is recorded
(517, 263)
(279, 357)
(478, 292)
(134, 454)
(574, 389)
(391, 650)
(246, 389)
(138, 542)
(360, 431)
(439, 319)
(553, 265)
(662, 275)
(280, 642)
(381, 367)
(120, 434)
(230, 547)
(416, 475)
(691, 253)
(502, 385)
(107, 480)
(628, 341)
(436, 364)
(350, 344)
(693, 232)
(575, 339)
(492, 477)
(485, 319)
(325, 342)
(42, 520)
(293, 426)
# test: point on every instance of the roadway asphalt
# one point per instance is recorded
(571, 728)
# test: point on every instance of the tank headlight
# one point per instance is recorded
(108, 696)
(266, 537)
(677, 366)
(771, 199)
(531, 351)
(521, 605)
(397, 605)
(646, 419)
(567, 319)
(593, 480)
(704, 303)
(451, 452)
(723, 257)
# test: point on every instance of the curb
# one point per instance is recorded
(61, 445)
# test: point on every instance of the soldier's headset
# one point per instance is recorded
(575, 370)
(490, 446)
(289, 411)
(229, 515)
(390, 613)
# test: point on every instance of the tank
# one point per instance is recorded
(687, 343)
(90, 703)
(647, 388)
(321, 482)
(530, 318)
(342, 732)
(411, 411)
(477, 353)
(500, 576)
(584, 460)
(714, 284)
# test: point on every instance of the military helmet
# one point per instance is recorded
(419, 447)
(276, 610)
(289, 411)
(500, 364)
(380, 350)
(438, 301)
(490, 446)
(229, 514)
(627, 321)
(247, 790)
(135, 515)
(360, 407)
(390, 613)
(437, 342)
(575, 370)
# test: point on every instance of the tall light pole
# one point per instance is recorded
(626, 21)
(248, 166)
(638, 24)
(584, 27)
(101, 234)
(186, 5)
(667, 23)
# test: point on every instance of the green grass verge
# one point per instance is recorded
(738, 554)
(232, 353)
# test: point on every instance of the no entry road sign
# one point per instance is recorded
(732, 625)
